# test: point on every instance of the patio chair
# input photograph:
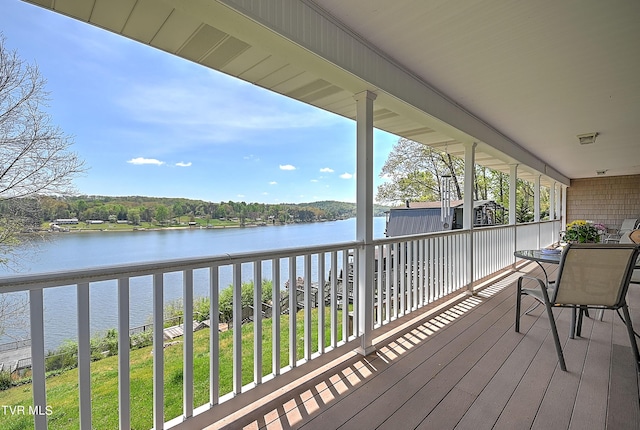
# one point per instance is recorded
(630, 237)
(633, 237)
(627, 226)
(590, 276)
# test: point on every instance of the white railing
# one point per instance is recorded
(493, 249)
(549, 232)
(321, 269)
(536, 235)
(410, 272)
(415, 271)
(527, 236)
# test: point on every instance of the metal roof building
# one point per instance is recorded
(425, 217)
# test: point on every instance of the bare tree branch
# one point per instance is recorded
(35, 155)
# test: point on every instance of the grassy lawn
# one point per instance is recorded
(62, 390)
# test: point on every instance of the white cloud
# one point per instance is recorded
(183, 164)
(287, 167)
(142, 160)
(314, 180)
(346, 176)
(240, 196)
(326, 170)
(273, 183)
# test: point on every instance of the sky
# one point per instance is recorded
(149, 123)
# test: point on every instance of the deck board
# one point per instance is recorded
(468, 369)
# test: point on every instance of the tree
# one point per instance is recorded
(414, 171)
(35, 155)
(133, 216)
(162, 214)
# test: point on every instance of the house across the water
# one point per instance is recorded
(426, 217)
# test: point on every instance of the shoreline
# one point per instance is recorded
(157, 228)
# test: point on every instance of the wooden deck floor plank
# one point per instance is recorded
(448, 412)
(622, 412)
(522, 407)
(487, 409)
(593, 391)
(427, 398)
(378, 411)
(557, 406)
(452, 408)
(488, 406)
(623, 408)
(351, 404)
(476, 380)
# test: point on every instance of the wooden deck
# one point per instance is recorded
(466, 368)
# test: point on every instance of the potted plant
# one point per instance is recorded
(581, 231)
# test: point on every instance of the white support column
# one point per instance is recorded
(39, 392)
(552, 201)
(563, 210)
(559, 193)
(158, 350)
(513, 193)
(467, 213)
(513, 198)
(536, 199)
(84, 355)
(187, 345)
(536, 206)
(469, 177)
(124, 351)
(364, 217)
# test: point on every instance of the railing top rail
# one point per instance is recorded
(396, 239)
(542, 221)
(22, 282)
(387, 240)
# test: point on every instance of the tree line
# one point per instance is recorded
(137, 209)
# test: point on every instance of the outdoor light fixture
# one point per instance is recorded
(587, 138)
(445, 200)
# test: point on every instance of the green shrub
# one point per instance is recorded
(105, 345)
(226, 297)
(5, 380)
(60, 361)
(174, 308)
(201, 308)
(142, 339)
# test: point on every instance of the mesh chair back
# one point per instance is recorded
(596, 275)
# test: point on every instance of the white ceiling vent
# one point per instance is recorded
(587, 138)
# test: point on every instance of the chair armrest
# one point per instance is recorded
(543, 295)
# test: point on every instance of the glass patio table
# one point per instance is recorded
(540, 256)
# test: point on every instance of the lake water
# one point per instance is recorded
(82, 250)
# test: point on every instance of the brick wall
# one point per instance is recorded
(607, 200)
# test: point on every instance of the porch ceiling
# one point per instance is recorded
(522, 79)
